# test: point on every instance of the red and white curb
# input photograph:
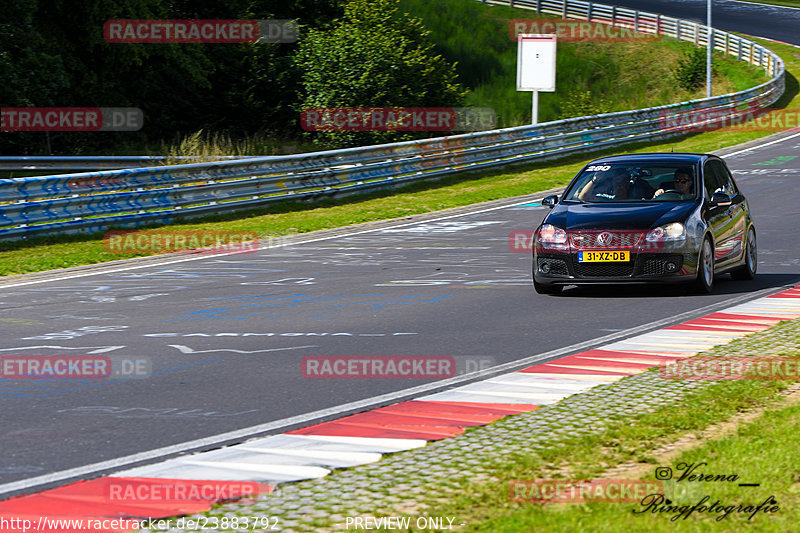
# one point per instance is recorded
(193, 483)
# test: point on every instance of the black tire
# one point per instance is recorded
(546, 289)
(748, 270)
(704, 284)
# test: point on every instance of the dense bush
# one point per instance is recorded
(690, 74)
(373, 57)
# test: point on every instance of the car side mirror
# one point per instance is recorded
(720, 199)
(550, 201)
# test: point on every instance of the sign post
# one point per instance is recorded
(536, 66)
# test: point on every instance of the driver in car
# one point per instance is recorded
(683, 184)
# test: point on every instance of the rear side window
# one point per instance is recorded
(725, 178)
(718, 179)
(710, 178)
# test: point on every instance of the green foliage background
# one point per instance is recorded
(52, 53)
(351, 53)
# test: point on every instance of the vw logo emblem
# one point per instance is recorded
(604, 239)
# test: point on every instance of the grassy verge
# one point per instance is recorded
(60, 252)
(486, 506)
(782, 3)
(589, 74)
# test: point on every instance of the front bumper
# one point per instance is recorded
(552, 268)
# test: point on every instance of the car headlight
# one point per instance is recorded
(668, 232)
(549, 235)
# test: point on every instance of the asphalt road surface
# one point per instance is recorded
(761, 20)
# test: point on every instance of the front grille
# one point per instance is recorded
(605, 239)
(603, 270)
(557, 266)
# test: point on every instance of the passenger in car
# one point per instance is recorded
(616, 184)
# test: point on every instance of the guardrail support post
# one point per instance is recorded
(635, 22)
(589, 12)
(658, 24)
(739, 52)
(613, 16)
(697, 35)
(678, 29)
(564, 10)
(538, 6)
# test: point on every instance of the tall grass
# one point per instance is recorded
(207, 146)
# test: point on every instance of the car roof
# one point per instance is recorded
(667, 157)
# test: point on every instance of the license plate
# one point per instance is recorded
(602, 256)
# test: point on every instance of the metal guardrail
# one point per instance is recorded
(95, 201)
(92, 162)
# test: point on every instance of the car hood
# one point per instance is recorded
(618, 216)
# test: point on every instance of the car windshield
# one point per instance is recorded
(626, 182)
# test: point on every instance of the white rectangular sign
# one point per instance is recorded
(536, 62)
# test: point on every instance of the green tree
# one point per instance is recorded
(373, 57)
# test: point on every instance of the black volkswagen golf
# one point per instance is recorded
(646, 218)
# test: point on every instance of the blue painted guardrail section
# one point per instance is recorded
(96, 201)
